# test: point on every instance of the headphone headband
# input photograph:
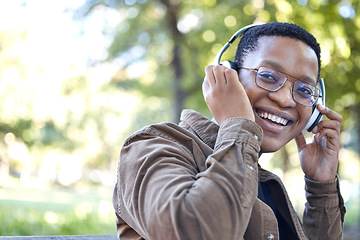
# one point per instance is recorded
(235, 36)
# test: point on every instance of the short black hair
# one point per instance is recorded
(249, 41)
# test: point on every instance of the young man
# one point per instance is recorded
(201, 180)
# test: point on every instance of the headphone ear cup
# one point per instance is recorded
(316, 115)
(315, 118)
(230, 64)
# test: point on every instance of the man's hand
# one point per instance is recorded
(225, 95)
(319, 159)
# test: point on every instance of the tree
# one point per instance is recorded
(179, 38)
(171, 36)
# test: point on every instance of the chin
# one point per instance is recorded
(271, 145)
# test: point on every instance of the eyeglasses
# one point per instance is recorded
(272, 80)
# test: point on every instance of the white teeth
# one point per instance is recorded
(273, 118)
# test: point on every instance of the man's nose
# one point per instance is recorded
(284, 96)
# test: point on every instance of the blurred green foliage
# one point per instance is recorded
(202, 27)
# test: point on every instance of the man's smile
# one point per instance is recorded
(273, 121)
(272, 117)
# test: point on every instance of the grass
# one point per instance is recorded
(29, 212)
(25, 212)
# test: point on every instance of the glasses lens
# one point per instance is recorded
(273, 80)
(270, 79)
(305, 94)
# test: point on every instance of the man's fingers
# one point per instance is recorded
(328, 132)
(232, 76)
(332, 115)
(219, 75)
(300, 141)
(205, 85)
(333, 123)
(209, 75)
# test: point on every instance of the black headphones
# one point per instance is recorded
(316, 116)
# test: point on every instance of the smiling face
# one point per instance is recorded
(280, 117)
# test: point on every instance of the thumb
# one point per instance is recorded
(300, 141)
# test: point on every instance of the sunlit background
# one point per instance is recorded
(77, 77)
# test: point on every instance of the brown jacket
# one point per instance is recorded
(197, 180)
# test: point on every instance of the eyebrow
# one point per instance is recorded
(281, 69)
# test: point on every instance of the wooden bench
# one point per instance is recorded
(76, 237)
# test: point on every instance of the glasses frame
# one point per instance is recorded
(286, 78)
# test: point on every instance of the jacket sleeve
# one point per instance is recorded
(163, 192)
(324, 210)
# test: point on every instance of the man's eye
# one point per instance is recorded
(268, 77)
(304, 92)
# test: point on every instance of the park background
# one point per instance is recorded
(78, 76)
